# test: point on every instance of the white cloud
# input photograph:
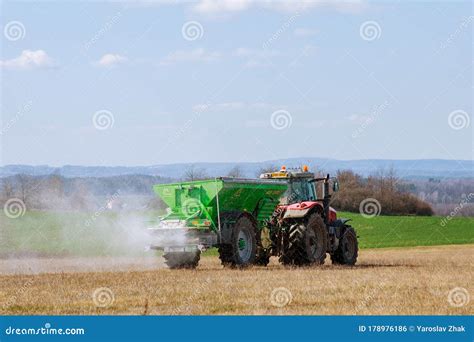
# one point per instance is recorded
(110, 60)
(225, 106)
(252, 57)
(359, 119)
(256, 57)
(305, 32)
(220, 7)
(255, 53)
(28, 60)
(152, 3)
(232, 106)
(196, 55)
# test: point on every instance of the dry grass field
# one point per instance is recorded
(421, 280)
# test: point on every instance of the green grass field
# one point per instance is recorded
(51, 233)
(408, 231)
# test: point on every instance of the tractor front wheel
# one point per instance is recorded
(348, 249)
(176, 260)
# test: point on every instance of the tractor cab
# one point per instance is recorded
(305, 191)
(301, 187)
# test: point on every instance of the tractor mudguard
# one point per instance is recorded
(340, 222)
(338, 227)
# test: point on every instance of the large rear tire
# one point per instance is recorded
(348, 249)
(307, 243)
(175, 260)
(242, 249)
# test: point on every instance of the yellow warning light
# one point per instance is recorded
(305, 168)
(283, 168)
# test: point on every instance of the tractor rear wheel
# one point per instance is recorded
(176, 260)
(242, 249)
(307, 243)
(348, 249)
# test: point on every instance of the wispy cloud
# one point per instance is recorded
(305, 32)
(358, 119)
(111, 60)
(256, 57)
(196, 55)
(223, 7)
(29, 60)
(255, 53)
(213, 7)
(232, 106)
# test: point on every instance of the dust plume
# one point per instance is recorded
(114, 235)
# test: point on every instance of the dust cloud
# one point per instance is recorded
(112, 237)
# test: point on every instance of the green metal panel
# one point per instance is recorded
(198, 199)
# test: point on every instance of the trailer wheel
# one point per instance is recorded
(348, 249)
(225, 254)
(307, 243)
(243, 245)
(175, 260)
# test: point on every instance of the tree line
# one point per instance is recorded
(385, 187)
(396, 196)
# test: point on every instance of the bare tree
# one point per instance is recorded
(56, 185)
(52, 192)
(79, 197)
(7, 189)
(193, 173)
(25, 187)
(391, 184)
(392, 179)
(394, 199)
(236, 172)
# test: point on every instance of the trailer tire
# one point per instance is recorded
(307, 243)
(241, 252)
(348, 249)
(176, 260)
(225, 254)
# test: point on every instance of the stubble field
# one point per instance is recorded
(419, 280)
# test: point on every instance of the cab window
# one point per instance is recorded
(298, 191)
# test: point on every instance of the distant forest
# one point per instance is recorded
(134, 192)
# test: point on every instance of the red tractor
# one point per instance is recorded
(303, 227)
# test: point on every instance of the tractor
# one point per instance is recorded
(285, 213)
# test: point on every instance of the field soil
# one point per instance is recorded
(398, 281)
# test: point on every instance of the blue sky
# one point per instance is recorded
(143, 82)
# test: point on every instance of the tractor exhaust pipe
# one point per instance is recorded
(326, 199)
